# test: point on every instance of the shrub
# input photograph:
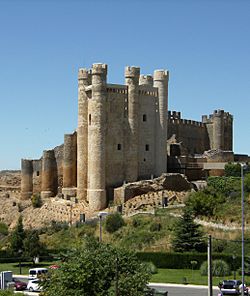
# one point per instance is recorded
(36, 201)
(3, 228)
(155, 226)
(224, 185)
(114, 222)
(151, 268)
(232, 169)
(219, 268)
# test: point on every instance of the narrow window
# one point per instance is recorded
(37, 173)
(89, 119)
(119, 147)
(147, 147)
(144, 117)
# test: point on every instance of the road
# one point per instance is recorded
(184, 290)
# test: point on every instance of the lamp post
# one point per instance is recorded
(242, 229)
(20, 260)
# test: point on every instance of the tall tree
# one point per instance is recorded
(187, 234)
(98, 269)
(32, 244)
(17, 237)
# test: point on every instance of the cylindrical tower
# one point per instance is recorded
(218, 129)
(132, 75)
(161, 78)
(26, 178)
(146, 80)
(69, 161)
(49, 174)
(84, 77)
(96, 138)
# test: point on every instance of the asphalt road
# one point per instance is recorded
(184, 290)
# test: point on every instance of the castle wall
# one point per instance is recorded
(116, 131)
(26, 178)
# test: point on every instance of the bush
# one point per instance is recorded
(151, 268)
(232, 169)
(224, 185)
(114, 222)
(155, 226)
(3, 228)
(36, 201)
(219, 268)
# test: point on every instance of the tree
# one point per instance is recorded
(97, 269)
(114, 222)
(187, 234)
(32, 245)
(17, 237)
(232, 169)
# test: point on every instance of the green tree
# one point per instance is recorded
(232, 170)
(17, 237)
(114, 222)
(187, 234)
(32, 245)
(95, 270)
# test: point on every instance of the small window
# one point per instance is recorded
(144, 159)
(89, 119)
(119, 147)
(144, 117)
(147, 147)
(37, 173)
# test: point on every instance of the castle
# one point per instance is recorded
(121, 137)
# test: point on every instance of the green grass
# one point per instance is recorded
(182, 276)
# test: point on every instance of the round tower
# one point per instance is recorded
(26, 178)
(49, 172)
(96, 138)
(132, 75)
(69, 161)
(218, 129)
(161, 78)
(146, 80)
(84, 78)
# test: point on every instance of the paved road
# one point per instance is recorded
(184, 290)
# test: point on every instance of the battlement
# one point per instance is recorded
(132, 72)
(174, 117)
(99, 69)
(217, 113)
(161, 75)
(117, 88)
(83, 74)
(146, 80)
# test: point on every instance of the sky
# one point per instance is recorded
(205, 44)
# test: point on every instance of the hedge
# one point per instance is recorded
(183, 260)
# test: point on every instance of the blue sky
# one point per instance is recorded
(205, 44)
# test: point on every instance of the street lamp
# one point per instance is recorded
(242, 228)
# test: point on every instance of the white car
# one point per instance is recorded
(34, 285)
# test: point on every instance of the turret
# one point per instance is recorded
(26, 178)
(146, 80)
(161, 78)
(49, 174)
(132, 75)
(69, 161)
(84, 79)
(96, 138)
(218, 129)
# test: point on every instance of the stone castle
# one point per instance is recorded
(121, 137)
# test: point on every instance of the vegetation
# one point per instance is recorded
(219, 268)
(114, 222)
(98, 269)
(17, 237)
(36, 200)
(187, 234)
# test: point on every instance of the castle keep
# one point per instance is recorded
(121, 137)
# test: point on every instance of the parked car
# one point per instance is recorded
(232, 287)
(37, 272)
(19, 285)
(34, 285)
